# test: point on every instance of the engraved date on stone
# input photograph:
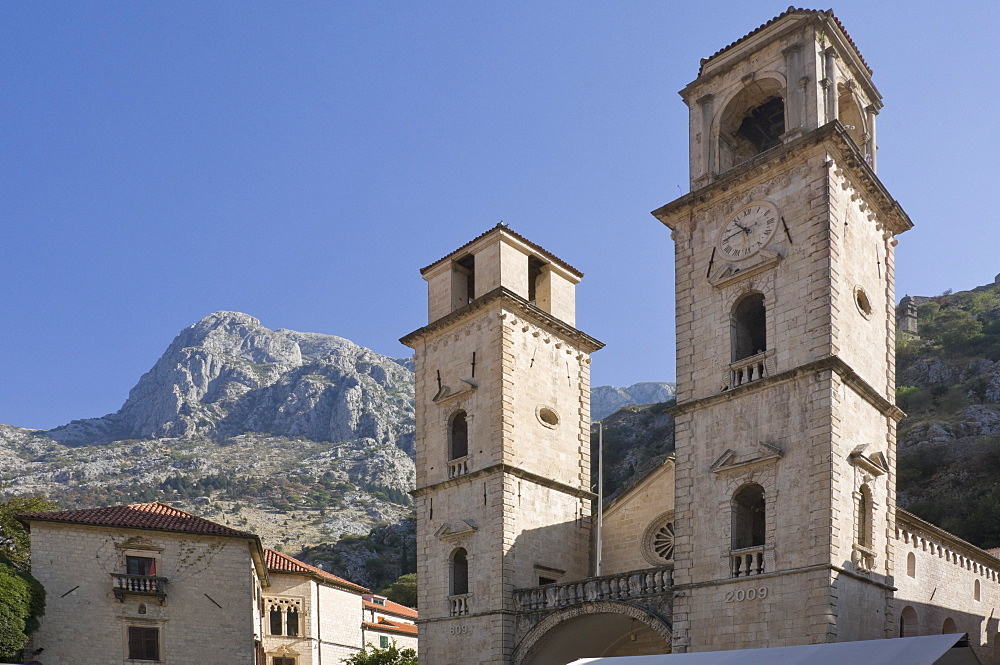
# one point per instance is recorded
(458, 630)
(740, 595)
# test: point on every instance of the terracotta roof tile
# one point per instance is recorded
(506, 229)
(157, 516)
(391, 626)
(787, 12)
(390, 608)
(282, 563)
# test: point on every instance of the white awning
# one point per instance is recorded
(926, 650)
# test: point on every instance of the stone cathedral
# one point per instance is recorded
(775, 523)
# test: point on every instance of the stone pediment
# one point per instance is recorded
(732, 460)
(727, 273)
(456, 529)
(446, 394)
(875, 463)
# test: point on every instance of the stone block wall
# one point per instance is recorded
(207, 616)
(628, 519)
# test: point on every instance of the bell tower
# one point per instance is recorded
(785, 416)
(502, 442)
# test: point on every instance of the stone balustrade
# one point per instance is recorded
(747, 561)
(747, 370)
(143, 585)
(623, 586)
(458, 467)
(459, 605)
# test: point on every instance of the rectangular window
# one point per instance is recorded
(383, 641)
(140, 565)
(280, 660)
(143, 643)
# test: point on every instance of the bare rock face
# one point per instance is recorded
(227, 374)
(605, 400)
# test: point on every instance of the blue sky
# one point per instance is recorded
(301, 161)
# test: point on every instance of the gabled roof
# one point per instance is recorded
(386, 626)
(390, 608)
(153, 516)
(282, 563)
(503, 228)
(788, 12)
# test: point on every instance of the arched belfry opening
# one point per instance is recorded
(851, 116)
(749, 326)
(458, 436)
(748, 517)
(459, 572)
(752, 123)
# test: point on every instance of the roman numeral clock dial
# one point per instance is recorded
(748, 231)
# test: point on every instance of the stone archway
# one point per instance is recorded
(592, 630)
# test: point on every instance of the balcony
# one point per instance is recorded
(748, 370)
(747, 561)
(620, 587)
(459, 605)
(458, 467)
(139, 585)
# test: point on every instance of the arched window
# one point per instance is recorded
(908, 622)
(749, 326)
(850, 115)
(274, 614)
(748, 517)
(976, 590)
(753, 122)
(911, 564)
(458, 436)
(292, 622)
(459, 572)
(949, 627)
(864, 536)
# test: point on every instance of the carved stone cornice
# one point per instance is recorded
(512, 301)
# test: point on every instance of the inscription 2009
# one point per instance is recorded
(746, 594)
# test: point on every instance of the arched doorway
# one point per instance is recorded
(592, 630)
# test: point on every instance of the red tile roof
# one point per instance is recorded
(390, 608)
(509, 231)
(387, 626)
(282, 563)
(787, 12)
(155, 516)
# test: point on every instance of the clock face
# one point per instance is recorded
(748, 231)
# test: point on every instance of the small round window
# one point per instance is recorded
(547, 417)
(862, 301)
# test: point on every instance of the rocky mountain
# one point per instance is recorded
(227, 374)
(253, 427)
(948, 382)
(605, 400)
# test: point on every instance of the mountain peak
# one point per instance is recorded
(227, 374)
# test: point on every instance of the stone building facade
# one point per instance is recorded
(775, 523)
(149, 583)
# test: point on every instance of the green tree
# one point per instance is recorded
(403, 590)
(22, 601)
(391, 655)
(14, 538)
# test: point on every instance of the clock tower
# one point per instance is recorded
(785, 416)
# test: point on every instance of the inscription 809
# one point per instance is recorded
(746, 594)
(458, 630)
